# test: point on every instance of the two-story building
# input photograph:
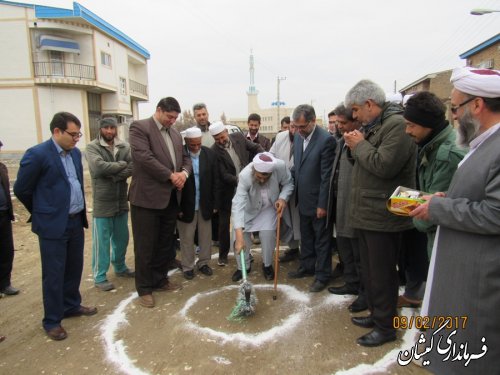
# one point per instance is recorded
(56, 59)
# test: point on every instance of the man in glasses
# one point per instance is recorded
(465, 267)
(50, 185)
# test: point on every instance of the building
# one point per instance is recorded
(485, 55)
(437, 83)
(71, 60)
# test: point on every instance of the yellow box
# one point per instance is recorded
(404, 200)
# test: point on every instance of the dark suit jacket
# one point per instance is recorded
(312, 170)
(207, 188)
(4, 180)
(261, 140)
(152, 165)
(43, 188)
(227, 180)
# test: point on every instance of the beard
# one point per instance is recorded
(468, 129)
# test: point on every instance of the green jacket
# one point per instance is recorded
(383, 161)
(437, 163)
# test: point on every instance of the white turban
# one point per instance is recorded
(216, 128)
(405, 98)
(194, 132)
(484, 83)
(394, 97)
(264, 162)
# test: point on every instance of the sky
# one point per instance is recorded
(200, 48)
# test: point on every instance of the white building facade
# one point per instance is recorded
(70, 60)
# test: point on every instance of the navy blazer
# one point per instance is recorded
(43, 188)
(312, 170)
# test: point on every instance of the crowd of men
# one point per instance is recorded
(326, 189)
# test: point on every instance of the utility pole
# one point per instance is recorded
(278, 103)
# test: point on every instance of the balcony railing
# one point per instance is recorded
(64, 70)
(138, 87)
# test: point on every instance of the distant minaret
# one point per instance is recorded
(253, 105)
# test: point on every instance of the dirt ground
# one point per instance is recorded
(187, 332)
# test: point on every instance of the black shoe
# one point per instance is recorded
(344, 289)
(363, 321)
(222, 261)
(238, 275)
(317, 286)
(10, 290)
(338, 271)
(189, 275)
(268, 272)
(376, 338)
(289, 255)
(358, 305)
(300, 273)
(206, 270)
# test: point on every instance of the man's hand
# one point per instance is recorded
(422, 211)
(320, 213)
(178, 179)
(353, 138)
(239, 242)
(280, 206)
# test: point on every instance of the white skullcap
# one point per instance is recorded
(194, 132)
(216, 128)
(264, 162)
(394, 97)
(406, 97)
(476, 81)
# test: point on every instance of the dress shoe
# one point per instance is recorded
(147, 300)
(300, 273)
(344, 289)
(10, 290)
(206, 270)
(81, 311)
(338, 271)
(2, 338)
(358, 305)
(376, 338)
(289, 255)
(189, 275)
(127, 273)
(57, 333)
(174, 264)
(105, 286)
(168, 286)
(404, 301)
(363, 321)
(222, 261)
(238, 275)
(317, 286)
(268, 272)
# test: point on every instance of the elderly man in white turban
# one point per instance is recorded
(464, 278)
(264, 187)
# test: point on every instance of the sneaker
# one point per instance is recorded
(268, 272)
(9, 290)
(206, 270)
(127, 273)
(222, 261)
(105, 286)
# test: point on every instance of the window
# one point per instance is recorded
(106, 59)
(123, 86)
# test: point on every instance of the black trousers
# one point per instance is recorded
(224, 234)
(379, 258)
(6, 249)
(349, 255)
(413, 262)
(154, 234)
(316, 247)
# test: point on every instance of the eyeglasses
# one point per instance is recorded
(302, 127)
(74, 135)
(455, 109)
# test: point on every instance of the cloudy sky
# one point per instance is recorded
(200, 48)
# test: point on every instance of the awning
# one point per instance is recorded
(55, 43)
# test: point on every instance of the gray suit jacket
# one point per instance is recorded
(247, 202)
(312, 170)
(151, 186)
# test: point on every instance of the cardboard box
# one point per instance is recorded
(404, 200)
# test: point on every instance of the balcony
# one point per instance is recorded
(138, 90)
(64, 70)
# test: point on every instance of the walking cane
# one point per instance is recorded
(276, 257)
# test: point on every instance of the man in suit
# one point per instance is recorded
(50, 185)
(384, 158)
(465, 266)
(253, 135)
(160, 169)
(264, 187)
(314, 151)
(6, 238)
(197, 205)
(233, 152)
